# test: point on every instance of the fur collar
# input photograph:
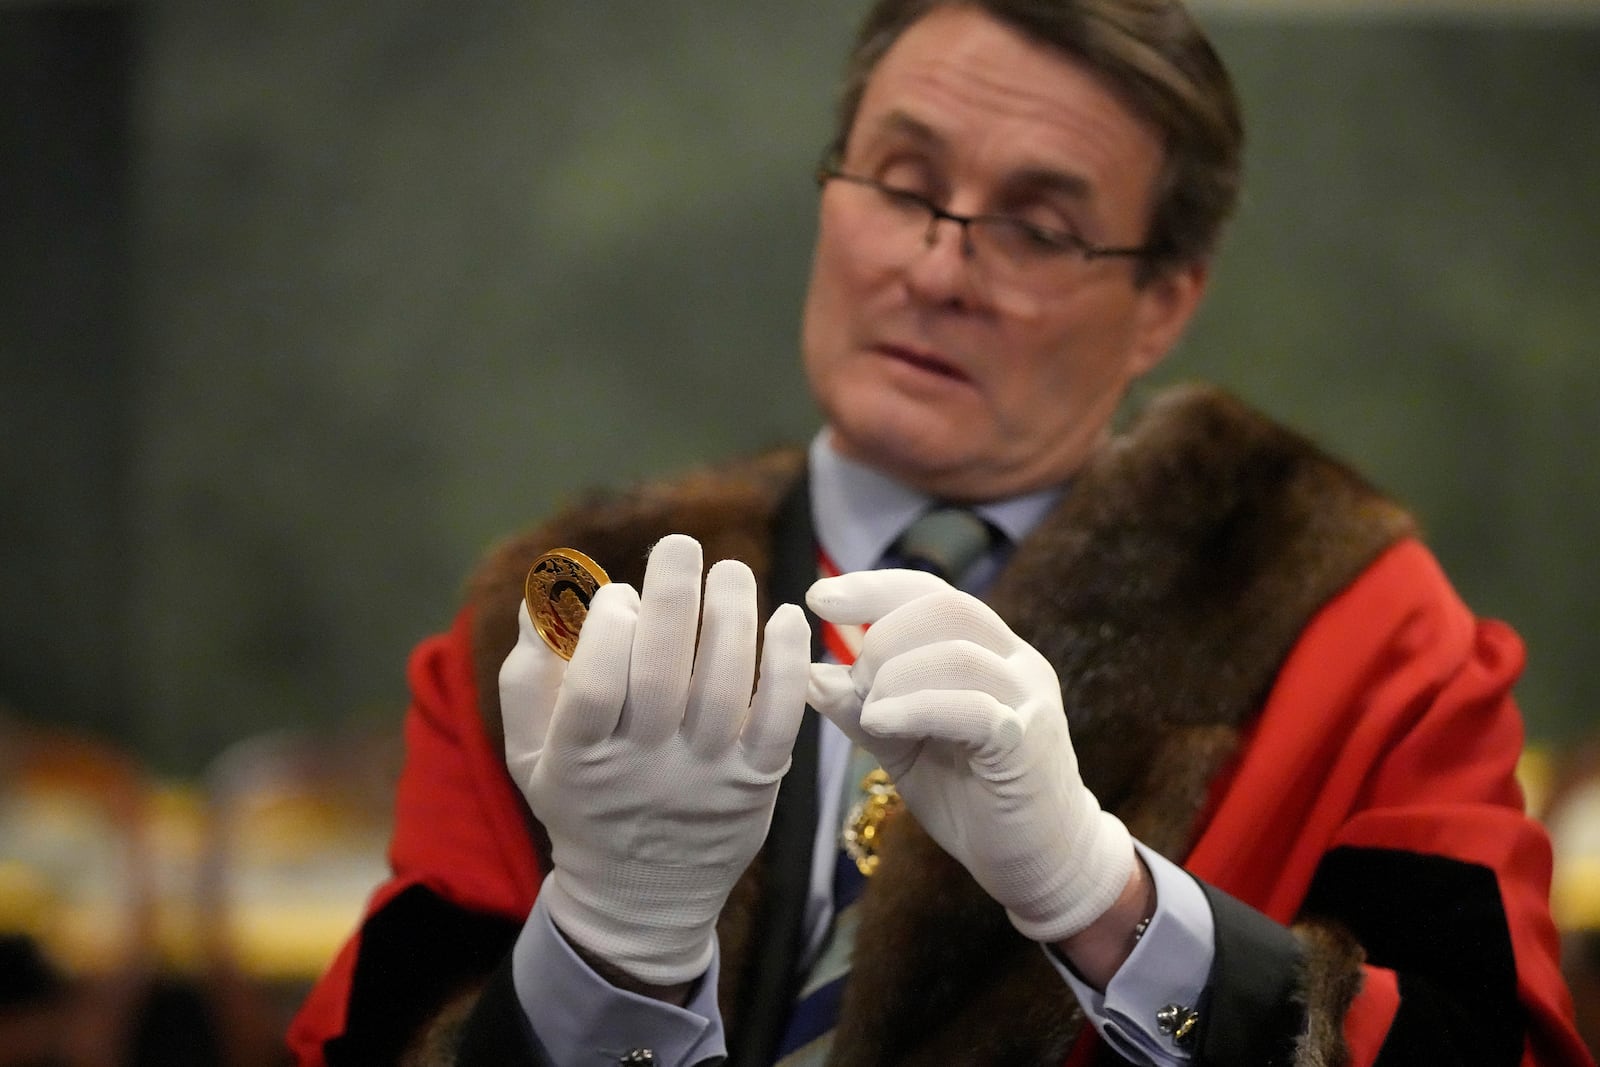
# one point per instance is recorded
(1167, 589)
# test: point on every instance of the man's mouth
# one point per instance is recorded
(924, 361)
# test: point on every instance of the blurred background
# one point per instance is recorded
(303, 305)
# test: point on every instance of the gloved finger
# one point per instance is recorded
(530, 679)
(948, 665)
(832, 692)
(780, 697)
(663, 644)
(975, 721)
(589, 707)
(945, 615)
(724, 664)
(867, 596)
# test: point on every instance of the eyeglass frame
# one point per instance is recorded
(1063, 242)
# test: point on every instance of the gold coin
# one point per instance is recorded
(558, 590)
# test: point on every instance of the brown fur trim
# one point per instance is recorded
(1167, 590)
(440, 1040)
(1171, 584)
(1331, 979)
(948, 979)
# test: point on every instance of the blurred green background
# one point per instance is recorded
(303, 305)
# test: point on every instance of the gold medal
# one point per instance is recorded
(558, 590)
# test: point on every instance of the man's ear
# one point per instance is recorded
(1166, 304)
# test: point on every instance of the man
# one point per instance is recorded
(1204, 643)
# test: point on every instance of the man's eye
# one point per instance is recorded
(907, 175)
(908, 199)
(1032, 237)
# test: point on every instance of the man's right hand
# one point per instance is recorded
(651, 767)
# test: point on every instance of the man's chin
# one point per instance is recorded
(929, 466)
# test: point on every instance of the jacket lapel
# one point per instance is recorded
(762, 986)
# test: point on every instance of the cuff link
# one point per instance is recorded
(1178, 1023)
(639, 1057)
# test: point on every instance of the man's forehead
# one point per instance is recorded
(960, 83)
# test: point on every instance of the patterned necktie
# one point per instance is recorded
(945, 541)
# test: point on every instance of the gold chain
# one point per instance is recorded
(863, 828)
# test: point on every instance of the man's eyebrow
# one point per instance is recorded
(902, 124)
(1048, 180)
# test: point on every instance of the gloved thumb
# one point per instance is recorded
(530, 679)
(832, 692)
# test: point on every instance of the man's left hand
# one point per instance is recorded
(967, 718)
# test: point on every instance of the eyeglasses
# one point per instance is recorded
(1013, 244)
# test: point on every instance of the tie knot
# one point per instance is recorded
(944, 541)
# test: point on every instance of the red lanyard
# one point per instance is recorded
(842, 641)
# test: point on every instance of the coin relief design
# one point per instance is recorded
(559, 587)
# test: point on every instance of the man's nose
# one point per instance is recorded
(963, 223)
(941, 270)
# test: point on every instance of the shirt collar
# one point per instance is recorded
(858, 511)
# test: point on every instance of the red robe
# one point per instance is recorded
(1387, 740)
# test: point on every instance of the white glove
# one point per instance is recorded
(653, 771)
(966, 717)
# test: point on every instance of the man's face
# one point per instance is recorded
(949, 371)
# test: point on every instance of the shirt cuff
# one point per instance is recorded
(579, 1018)
(1168, 966)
